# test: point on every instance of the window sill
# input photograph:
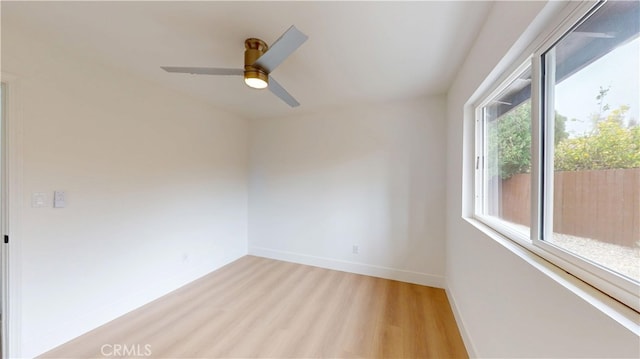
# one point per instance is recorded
(617, 311)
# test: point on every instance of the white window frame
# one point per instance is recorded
(480, 185)
(609, 282)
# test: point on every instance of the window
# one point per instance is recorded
(504, 162)
(559, 172)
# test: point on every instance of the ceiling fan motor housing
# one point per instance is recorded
(254, 48)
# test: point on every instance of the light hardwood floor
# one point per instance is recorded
(262, 308)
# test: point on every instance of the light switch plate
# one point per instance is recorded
(59, 199)
(38, 200)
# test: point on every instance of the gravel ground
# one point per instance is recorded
(625, 260)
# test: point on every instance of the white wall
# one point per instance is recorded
(155, 182)
(157, 196)
(508, 307)
(368, 175)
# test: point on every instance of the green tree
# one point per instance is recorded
(602, 93)
(560, 129)
(610, 145)
(509, 151)
(510, 142)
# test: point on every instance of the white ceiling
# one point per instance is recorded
(357, 52)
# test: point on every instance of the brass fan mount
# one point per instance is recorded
(254, 48)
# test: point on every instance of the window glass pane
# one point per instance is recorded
(596, 180)
(507, 154)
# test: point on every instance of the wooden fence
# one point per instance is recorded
(598, 204)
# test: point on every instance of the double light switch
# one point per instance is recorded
(39, 199)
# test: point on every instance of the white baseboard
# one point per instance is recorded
(402, 275)
(466, 338)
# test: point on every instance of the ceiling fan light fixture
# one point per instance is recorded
(254, 76)
(256, 79)
(259, 61)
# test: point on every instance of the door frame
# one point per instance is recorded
(10, 222)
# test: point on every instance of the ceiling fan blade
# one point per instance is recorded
(281, 49)
(279, 91)
(204, 70)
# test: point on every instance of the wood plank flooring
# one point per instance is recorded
(262, 308)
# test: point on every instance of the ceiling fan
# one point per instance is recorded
(259, 62)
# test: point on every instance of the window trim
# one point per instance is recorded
(593, 274)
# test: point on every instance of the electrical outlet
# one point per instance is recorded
(355, 249)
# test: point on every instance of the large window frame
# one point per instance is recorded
(621, 288)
